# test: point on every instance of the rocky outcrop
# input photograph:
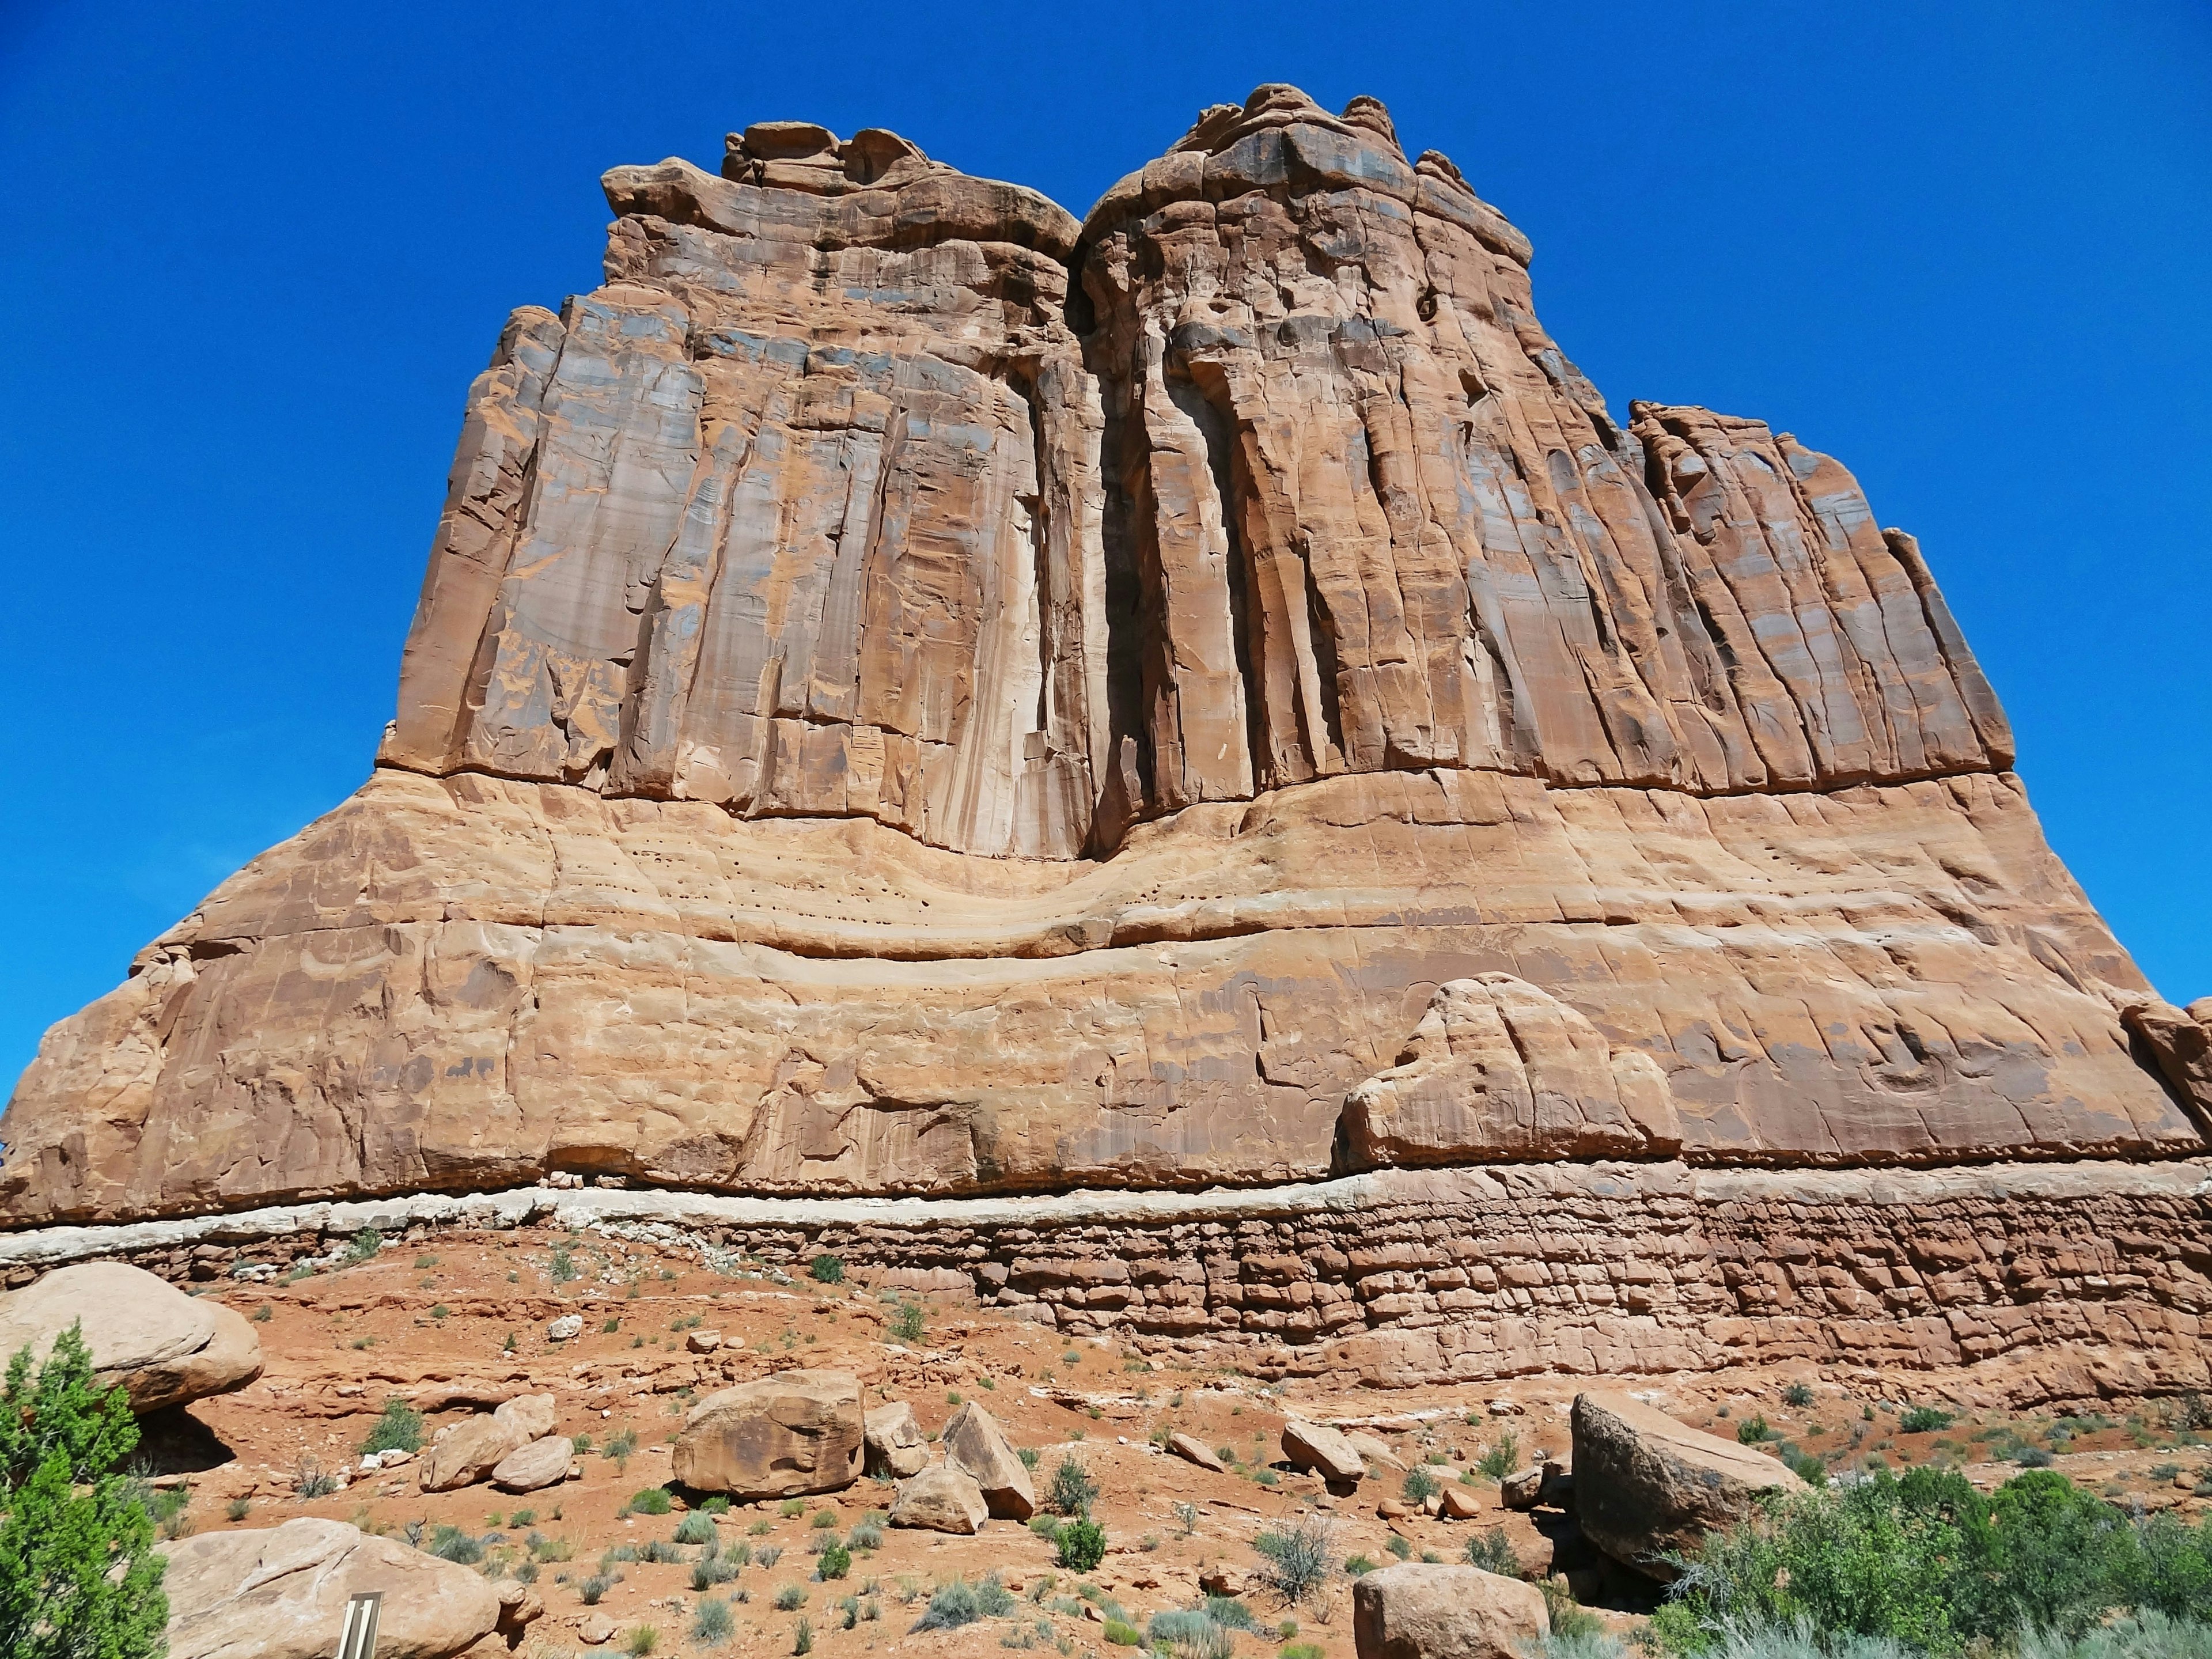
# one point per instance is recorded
(787, 1435)
(146, 1337)
(896, 1447)
(1648, 1489)
(1416, 1610)
(1498, 1069)
(942, 1499)
(2180, 1040)
(1326, 1451)
(916, 695)
(535, 1466)
(282, 1594)
(976, 1445)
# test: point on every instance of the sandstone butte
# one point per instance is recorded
(914, 695)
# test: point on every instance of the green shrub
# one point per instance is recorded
(1797, 1396)
(992, 1599)
(802, 1637)
(951, 1605)
(1421, 1486)
(1925, 1560)
(1122, 1635)
(2139, 1636)
(653, 1500)
(1570, 1621)
(400, 1429)
(1189, 1634)
(450, 1543)
(1502, 1457)
(867, 1534)
(1301, 1651)
(78, 1573)
(713, 1623)
(1296, 1560)
(790, 1599)
(1923, 1419)
(1359, 1566)
(1489, 1552)
(826, 1269)
(1399, 1546)
(696, 1529)
(834, 1562)
(595, 1587)
(1072, 1491)
(364, 1245)
(711, 1570)
(1082, 1546)
(1230, 1613)
(906, 1325)
(642, 1640)
(1753, 1430)
(1029, 1456)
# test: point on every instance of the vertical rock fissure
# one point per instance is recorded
(1217, 426)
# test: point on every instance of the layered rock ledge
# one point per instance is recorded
(2098, 1272)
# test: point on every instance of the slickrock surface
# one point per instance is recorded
(916, 695)
(145, 1336)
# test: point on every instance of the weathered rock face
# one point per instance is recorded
(1646, 1487)
(942, 1499)
(894, 1443)
(280, 1594)
(914, 695)
(1414, 1610)
(976, 1445)
(794, 1432)
(162, 1346)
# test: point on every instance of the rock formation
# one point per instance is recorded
(282, 1594)
(913, 693)
(1647, 1488)
(150, 1339)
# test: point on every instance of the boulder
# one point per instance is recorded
(1325, 1452)
(795, 1432)
(1376, 1450)
(281, 1593)
(531, 1416)
(597, 1630)
(1192, 1450)
(704, 1341)
(145, 1335)
(1457, 1502)
(567, 1325)
(942, 1499)
(1415, 1611)
(529, 1468)
(973, 1442)
(896, 1446)
(1519, 1489)
(468, 1452)
(520, 1608)
(1645, 1486)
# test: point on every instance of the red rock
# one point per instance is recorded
(877, 550)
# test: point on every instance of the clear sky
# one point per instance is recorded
(254, 253)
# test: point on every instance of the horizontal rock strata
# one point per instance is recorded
(2100, 1274)
(917, 693)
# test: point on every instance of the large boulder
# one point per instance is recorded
(540, 1464)
(1646, 1487)
(973, 1442)
(280, 1594)
(145, 1335)
(794, 1432)
(531, 1416)
(1414, 1611)
(468, 1452)
(896, 1446)
(1324, 1451)
(942, 1499)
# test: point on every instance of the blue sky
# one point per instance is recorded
(255, 253)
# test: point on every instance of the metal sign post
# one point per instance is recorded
(357, 1637)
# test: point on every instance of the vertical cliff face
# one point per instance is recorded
(790, 517)
(913, 693)
(1375, 519)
